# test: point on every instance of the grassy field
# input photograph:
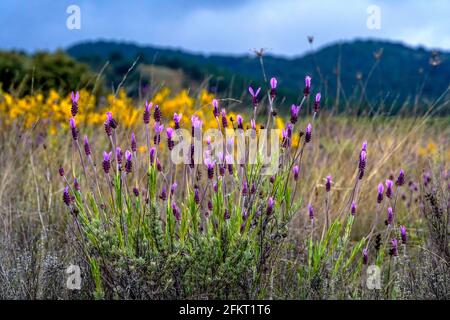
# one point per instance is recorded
(236, 234)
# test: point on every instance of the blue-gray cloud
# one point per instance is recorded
(233, 26)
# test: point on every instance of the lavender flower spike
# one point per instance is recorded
(173, 188)
(364, 146)
(74, 129)
(296, 171)
(215, 104)
(365, 256)
(311, 211)
(176, 211)
(273, 87)
(308, 133)
(110, 120)
(394, 248)
(240, 122)
(66, 196)
(270, 204)
(76, 185)
(75, 97)
(362, 164)
(328, 184)
(223, 112)
(380, 193)
(128, 163)
(170, 143)
(146, 115)
(119, 155)
(294, 113)
(106, 161)
(87, 147)
(177, 119)
(401, 178)
(307, 86)
(403, 234)
(157, 114)
(254, 95)
(389, 185)
(317, 102)
(133, 142)
(152, 155)
(353, 208)
(210, 168)
(390, 217)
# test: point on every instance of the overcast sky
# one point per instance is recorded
(215, 26)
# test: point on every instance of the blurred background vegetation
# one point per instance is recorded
(362, 76)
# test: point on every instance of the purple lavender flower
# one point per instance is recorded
(223, 112)
(365, 256)
(136, 192)
(210, 168)
(364, 146)
(111, 121)
(76, 185)
(272, 179)
(176, 120)
(158, 165)
(146, 116)
(296, 171)
(389, 185)
(240, 122)
(108, 128)
(176, 211)
(394, 247)
(74, 129)
(66, 196)
(173, 188)
(152, 155)
(158, 129)
(403, 234)
(390, 216)
(196, 124)
(229, 161)
(311, 211)
(157, 114)
(353, 208)
(196, 195)
(253, 188)
(317, 102)
(380, 193)
(328, 184)
(163, 194)
(106, 161)
(244, 189)
(128, 163)
(285, 138)
(119, 155)
(226, 214)
(426, 178)
(273, 87)
(270, 203)
(307, 86)
(87, 147)
(401, 178)
(308, 133)
(133, 142)
(210, 205)
(215, 104)
(61, 171)
(215, 187)
(75, 97)
(170, 143)
(294, 113)
(362, 164)
(254, 96)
